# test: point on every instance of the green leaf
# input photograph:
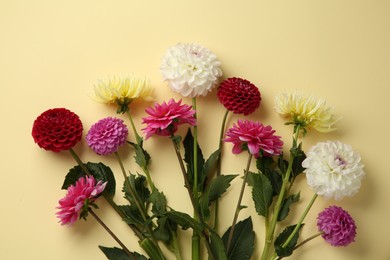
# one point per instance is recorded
(99, 171)
(159, 202)
(115, 253)
(285, 208)
(263, 163)
(297, 163)
(132, 215)
(217, 247)
(184, 220)
(188, 143)
(142, 157)
(139, 185)
(162, 231)
(242, 244)
(209, 167)
(214, 190)
(262, 194)
(279, 241)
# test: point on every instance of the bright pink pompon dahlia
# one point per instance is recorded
(254, 136)
(79, 197)
(239, 95)
(107, 135)
(338, 226)
(164, 119)
(57, 129)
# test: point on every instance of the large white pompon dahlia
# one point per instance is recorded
(190, 69)
(333, 170)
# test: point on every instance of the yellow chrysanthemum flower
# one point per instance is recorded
(122, 91)
(305, 111)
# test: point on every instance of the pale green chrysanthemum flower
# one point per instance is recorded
(122, 91)
(305, 111)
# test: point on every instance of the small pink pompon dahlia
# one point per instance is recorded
(78, 199)
(239, 96)
(57, 129)
(164, 119)
(107, 135)
(254, 137)
(338, 226)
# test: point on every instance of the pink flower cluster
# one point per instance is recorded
(165, 118)
(107, 135)
(79, 197)
(338, 226)
(254, 137)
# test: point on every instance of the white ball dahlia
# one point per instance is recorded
(333, 170)
(190, 69)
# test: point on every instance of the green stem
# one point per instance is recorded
(238, 207)
(137, 136)
(195, 235)
(297, 227)
(219, 165)
(197, 214)
(286, 180)
(127, 251)
(303, 242)
(138, 203)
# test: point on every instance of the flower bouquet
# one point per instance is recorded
(332, 169)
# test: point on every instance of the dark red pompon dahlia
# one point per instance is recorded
(57, 129)
(239, 95)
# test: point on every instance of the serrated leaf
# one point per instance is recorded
(209, 167)
(285, 208)
(162, 231)
(139, 185)
(214, 190)
(262, 194)
(279, 241)
(297, 164)
(184, 220)
(115, 253)
(217, 247)
(188, 143)
(132, 215)
(141, 156)
(242, 244)
(99, 171)
(159, 202)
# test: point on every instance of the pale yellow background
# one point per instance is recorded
(52, 52)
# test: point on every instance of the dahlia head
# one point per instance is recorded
(337, 225)
(105, 136)
(254, 137)
(57, 129)
(305, 111)
(190, 69)
(78, 200)
(333, 170)
(165, 118)
(239, 95)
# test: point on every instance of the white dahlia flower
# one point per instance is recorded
(333, 170)
(190, 69)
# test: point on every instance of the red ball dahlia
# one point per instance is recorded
(57, 129)
(239, 95)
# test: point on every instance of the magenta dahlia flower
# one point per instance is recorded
(107, 135)
(57, 129)
(239, 95)
(254, 136)
(338, 226)
(78, 199)
(164, 119)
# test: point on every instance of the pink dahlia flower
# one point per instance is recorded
(338, 226)
(78, 199)
(164, 119)
(57, 129)
(254, 136)
(107, 135)
(239, 95)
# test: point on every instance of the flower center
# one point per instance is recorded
(340, 161)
